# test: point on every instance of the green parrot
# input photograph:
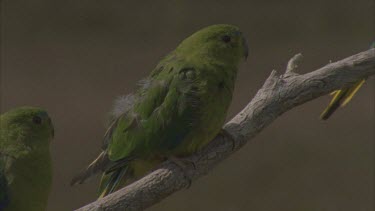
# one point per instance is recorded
(177, 110)
(25, 161)
(342, 97)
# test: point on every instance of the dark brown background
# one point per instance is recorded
(74, 57)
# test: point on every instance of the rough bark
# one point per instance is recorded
(279, 94)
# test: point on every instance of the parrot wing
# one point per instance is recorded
(161, 116)
(160, 121)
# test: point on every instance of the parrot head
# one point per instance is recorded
(32, 124)
(221, 43)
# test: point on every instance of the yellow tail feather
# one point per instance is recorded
(111, 181)
(334, 92)
(352, 91)
(341, 98)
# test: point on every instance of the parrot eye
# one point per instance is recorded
(226, 38)
(37, 120)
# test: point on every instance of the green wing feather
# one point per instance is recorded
(158, 122)
(161, 117)
(164, 111)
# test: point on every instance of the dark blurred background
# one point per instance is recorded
(74, 57)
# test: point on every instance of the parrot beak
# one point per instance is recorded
(53, 132)
(244, 44)
(53, 129)
(246, 48)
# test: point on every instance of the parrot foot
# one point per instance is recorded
(229, 136)
(184, 164)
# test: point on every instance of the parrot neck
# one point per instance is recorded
(31, 180)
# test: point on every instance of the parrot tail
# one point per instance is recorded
(98, 165)
(341, 98)
(111, 181)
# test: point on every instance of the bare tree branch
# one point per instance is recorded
(278, 94)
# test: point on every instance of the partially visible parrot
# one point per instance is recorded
(25, 161)
(177, 110)
(342, 97)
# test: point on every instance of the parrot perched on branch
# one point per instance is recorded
(342, 97)
(177, 110)
(25, 161)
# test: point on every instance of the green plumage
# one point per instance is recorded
(178, 109)
(25, 162)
